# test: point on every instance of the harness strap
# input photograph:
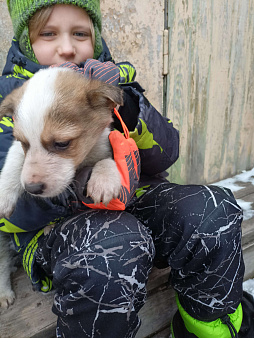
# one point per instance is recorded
(125, 129)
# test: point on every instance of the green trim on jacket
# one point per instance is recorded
(43, 283)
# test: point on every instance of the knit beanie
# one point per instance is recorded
(21, 12)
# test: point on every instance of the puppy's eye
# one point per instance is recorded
(61, 145)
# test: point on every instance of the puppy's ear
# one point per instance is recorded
(103, 95)
(9, 104)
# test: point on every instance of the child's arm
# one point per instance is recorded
(155, 136)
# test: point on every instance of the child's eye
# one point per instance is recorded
(81, 34)
(46, 34)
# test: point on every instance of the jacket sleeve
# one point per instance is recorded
(7, 85)
(155, 135)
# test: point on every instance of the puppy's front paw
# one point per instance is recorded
(7, 298)
(105, 182)
(48, 228)
(7, 205)
(8, 201)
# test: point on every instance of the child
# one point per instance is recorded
(99, 260)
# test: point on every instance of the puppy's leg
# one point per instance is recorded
(7, 296)
(105, 182)
(48, 228)
(10, 185)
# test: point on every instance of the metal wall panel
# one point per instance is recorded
(210, 87)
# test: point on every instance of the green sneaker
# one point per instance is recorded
(185, 326)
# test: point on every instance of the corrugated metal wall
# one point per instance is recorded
(210, 87)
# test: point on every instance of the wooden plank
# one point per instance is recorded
(248, 256)
(248, 232)
(157, 312)
(157, 277)
(47, 332)
(247, 194)
(165, 333)
(31, 312)
(248, 189)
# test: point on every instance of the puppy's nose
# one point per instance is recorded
(35, 188)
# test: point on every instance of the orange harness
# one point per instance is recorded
(126, 156)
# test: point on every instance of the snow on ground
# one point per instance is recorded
(232, 183)
(248, 212)
(248, 286)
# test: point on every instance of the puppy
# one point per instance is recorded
(61, 124)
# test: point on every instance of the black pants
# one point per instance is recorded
(100, 260)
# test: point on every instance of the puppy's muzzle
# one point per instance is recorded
(35, 188)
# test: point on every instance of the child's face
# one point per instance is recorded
(65, 37)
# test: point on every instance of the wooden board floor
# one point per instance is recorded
(31, 316)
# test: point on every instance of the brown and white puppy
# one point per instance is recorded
(61, 125)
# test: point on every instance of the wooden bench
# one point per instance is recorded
(31, 316)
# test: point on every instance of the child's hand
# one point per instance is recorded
(93, 69)
(104, 71)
